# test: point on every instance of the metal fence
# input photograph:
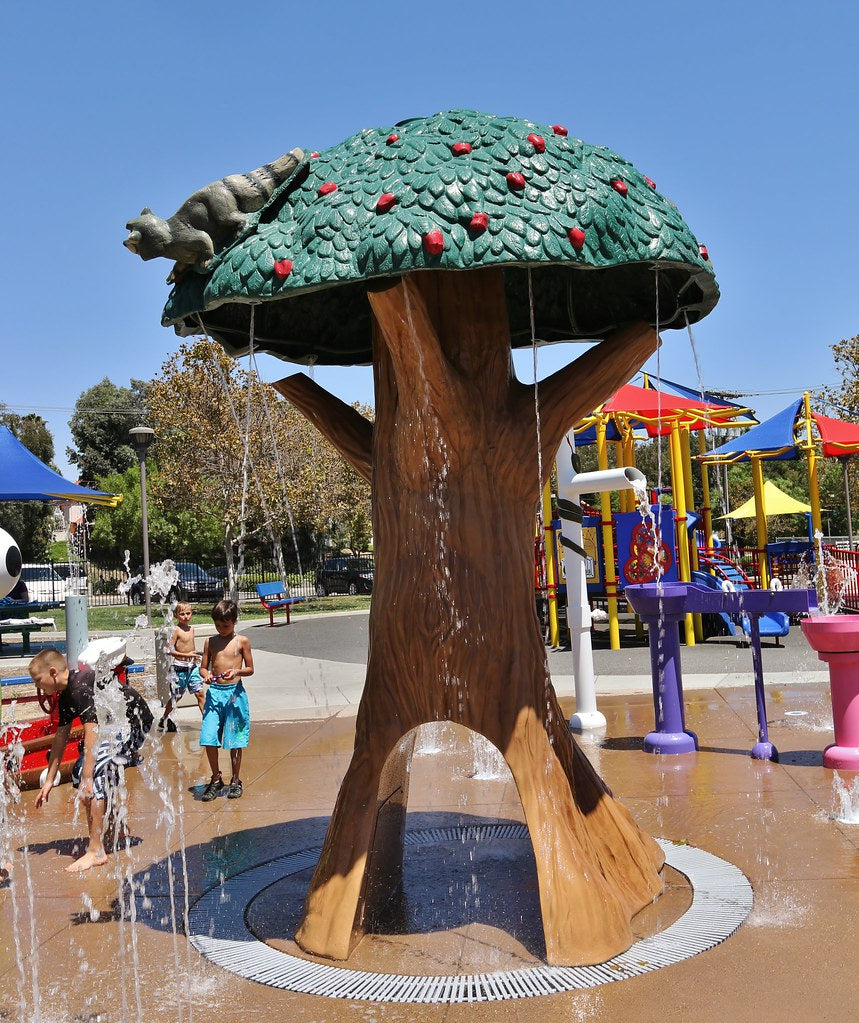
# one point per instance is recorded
(110, 584)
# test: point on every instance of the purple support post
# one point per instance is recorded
(662, 608)
(763, 749)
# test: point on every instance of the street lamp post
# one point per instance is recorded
(141, 439)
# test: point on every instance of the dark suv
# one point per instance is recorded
(344, 575)
(194, 585)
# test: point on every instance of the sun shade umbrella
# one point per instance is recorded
(840, 440)
(24, 478)
(429, 247)
(776, 502)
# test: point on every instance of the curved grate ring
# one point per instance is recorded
(722, 899)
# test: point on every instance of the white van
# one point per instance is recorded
(44, 584)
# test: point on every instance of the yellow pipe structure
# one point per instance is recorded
(811, 459)
(625, 496)
(761, 521)
(681, 536)
(689, 491)
(608, 543)
(706, 507)
(627, 456)
(551, 580)
(629, 451)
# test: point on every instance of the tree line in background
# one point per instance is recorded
(210, 496)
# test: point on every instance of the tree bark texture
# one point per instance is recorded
(453, 628)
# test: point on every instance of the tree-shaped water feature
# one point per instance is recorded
(429, 248)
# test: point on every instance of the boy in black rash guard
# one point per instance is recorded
(99, 772)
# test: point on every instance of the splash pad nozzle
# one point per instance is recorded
(663, 606)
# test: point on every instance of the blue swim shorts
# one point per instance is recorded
(226, 717)
(187, 677)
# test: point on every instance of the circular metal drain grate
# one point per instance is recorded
(722, 899)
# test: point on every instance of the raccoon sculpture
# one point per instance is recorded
(209, 218)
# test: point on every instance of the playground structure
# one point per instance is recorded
(571, 485)
(29, 742)
(616, 540)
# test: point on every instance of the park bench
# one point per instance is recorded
(10, 610)
(24, 629)
(275, 597)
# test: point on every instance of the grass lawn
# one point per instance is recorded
(121, 618)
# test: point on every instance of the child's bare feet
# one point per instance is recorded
(87, 862)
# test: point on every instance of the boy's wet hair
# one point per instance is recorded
(183, 605)
(46, 659)
(225, 610)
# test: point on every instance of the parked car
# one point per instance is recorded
(344, 575)
(44, 583)
(194, 585)
(74, 575)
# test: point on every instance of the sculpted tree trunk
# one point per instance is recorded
(453, 629)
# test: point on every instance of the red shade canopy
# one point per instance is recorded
(838, 436)
(652, 407)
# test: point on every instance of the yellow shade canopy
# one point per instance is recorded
(776, 502)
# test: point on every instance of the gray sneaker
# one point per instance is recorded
(234, 790)
(212, 790)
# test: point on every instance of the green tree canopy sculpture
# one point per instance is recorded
(455, 191)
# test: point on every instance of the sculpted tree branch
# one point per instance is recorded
(345, 428)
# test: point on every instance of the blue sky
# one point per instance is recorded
(745, 114)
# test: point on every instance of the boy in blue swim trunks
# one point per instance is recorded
(184, 654)
(227, 658)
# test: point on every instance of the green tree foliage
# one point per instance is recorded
(198, 408)
(102, 417)
(172, 531)
(29, 522)
(842, 402)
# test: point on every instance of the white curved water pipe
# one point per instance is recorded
(571, 485)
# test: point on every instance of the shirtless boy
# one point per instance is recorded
(183, 651)
(227, 658)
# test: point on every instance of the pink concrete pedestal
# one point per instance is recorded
(836, 640)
